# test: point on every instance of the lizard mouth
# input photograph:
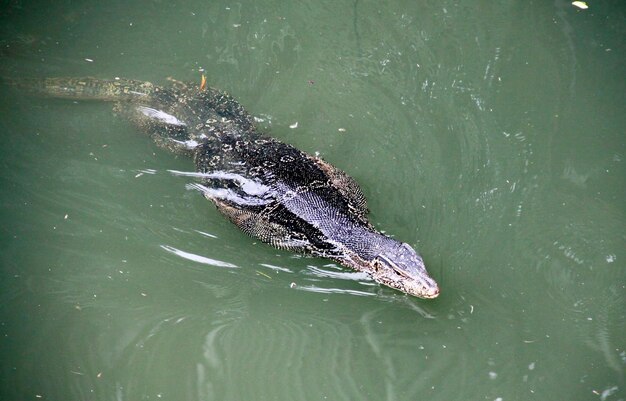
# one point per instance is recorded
(407, 275)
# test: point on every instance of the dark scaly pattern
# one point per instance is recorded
(269, 189)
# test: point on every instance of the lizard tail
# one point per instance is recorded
(85, 88)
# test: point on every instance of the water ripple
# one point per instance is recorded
(198, 258)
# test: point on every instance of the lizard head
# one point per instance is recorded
(399, 266)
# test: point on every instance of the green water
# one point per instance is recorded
(488, 135)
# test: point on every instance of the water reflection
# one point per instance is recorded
(198, 258)
(321, 290)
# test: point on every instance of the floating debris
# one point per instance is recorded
(580, 4)
(263, 274)
(294, 125)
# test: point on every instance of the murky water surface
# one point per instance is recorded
(488, 135)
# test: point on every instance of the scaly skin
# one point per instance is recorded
(271, 190)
